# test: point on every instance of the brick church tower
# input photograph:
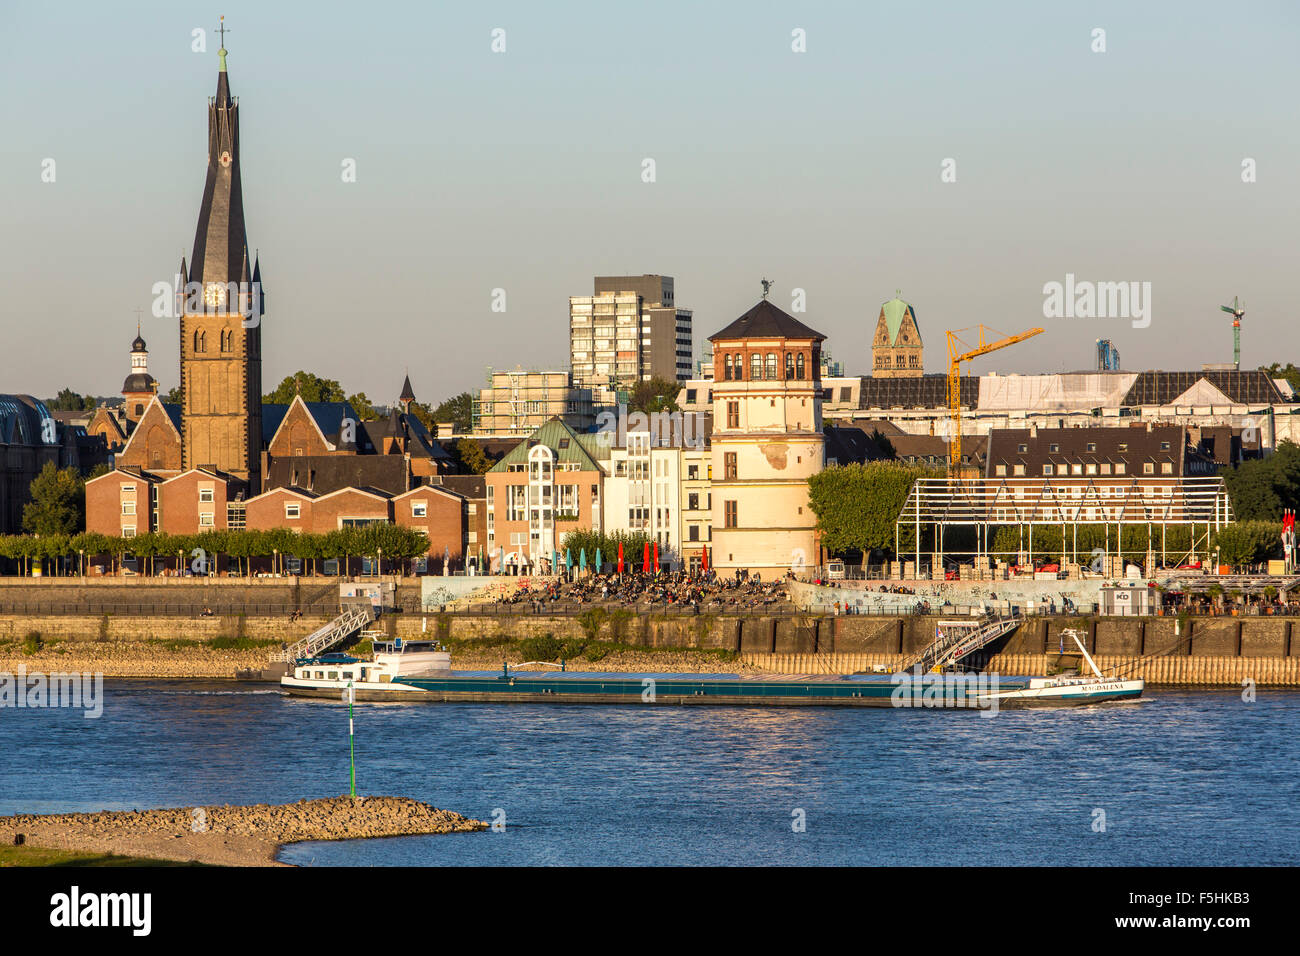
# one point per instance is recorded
(220, 324)
(896, 349)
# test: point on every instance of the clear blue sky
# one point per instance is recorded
(522, 170)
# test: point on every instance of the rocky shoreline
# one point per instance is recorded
(232, 835)
(197, 661)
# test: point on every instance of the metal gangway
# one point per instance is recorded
(353, 619)
(957, 642)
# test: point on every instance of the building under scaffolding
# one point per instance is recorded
(1116, 506)
(518, 402)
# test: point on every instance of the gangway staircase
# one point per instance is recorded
(352, 620)
(958, 642)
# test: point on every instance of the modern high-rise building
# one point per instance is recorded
(630, 330)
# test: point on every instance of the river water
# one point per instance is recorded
(1192, 778)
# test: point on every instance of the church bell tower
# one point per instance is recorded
(221, 314)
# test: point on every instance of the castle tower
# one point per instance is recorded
(767, 440)
(896, 350)
(220, 325)
(139, 386)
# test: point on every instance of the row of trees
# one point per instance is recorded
(606, 542)
(157, 549)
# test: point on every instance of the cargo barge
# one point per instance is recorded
(420, 671)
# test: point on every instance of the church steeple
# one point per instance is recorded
(220, 333)
(220, 243)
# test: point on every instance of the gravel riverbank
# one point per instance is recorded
(233, 836)
(147, 659)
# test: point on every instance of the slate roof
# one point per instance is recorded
(767, 321)
(924, 391)
(1243, 387)
(324, 474)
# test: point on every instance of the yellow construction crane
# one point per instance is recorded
(956, 357)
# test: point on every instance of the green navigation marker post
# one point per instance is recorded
(352, 753)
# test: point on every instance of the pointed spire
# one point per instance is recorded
(220, 240)
(184, 273)
(408, 394)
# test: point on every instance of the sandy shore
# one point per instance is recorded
(233, 836)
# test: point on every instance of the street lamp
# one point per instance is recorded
(81, 561)
(275, 561)
(379, 564)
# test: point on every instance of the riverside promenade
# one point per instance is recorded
(154, 631)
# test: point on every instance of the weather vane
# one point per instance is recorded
(222, 30)
(767, 284)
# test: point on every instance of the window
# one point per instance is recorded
(1019, 471)
(729, 466)
(1123, 446)
(729, 514)
(1047, 469)
(789, 365)
(771, 365)
(128, 507)
(1167, 468)
(733, 414)
(1149, 468)
(755, 367)
(419, 509)
(1164, 446)
(693, 502)
(1120, 468)
(205, 519)
(292, 509)
(1054, 448)
(206, 495)
(1022, 448)
(1092, 446)
(798, 365)
(1076, 469)
(1092, 469)
(726, 367)
(1000, 471)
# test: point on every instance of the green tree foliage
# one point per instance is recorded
(473, 459)
(361, 405)
(1288, 372)
(311, 387)
(172, 397)
(856, 505)
(156, 549)
(58, 504)
(607, 543)
(1261, 488)
(1248, 542)
(656, 395)
(69, 401)
(459, 409)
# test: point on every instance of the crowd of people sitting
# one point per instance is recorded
(700, 591)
